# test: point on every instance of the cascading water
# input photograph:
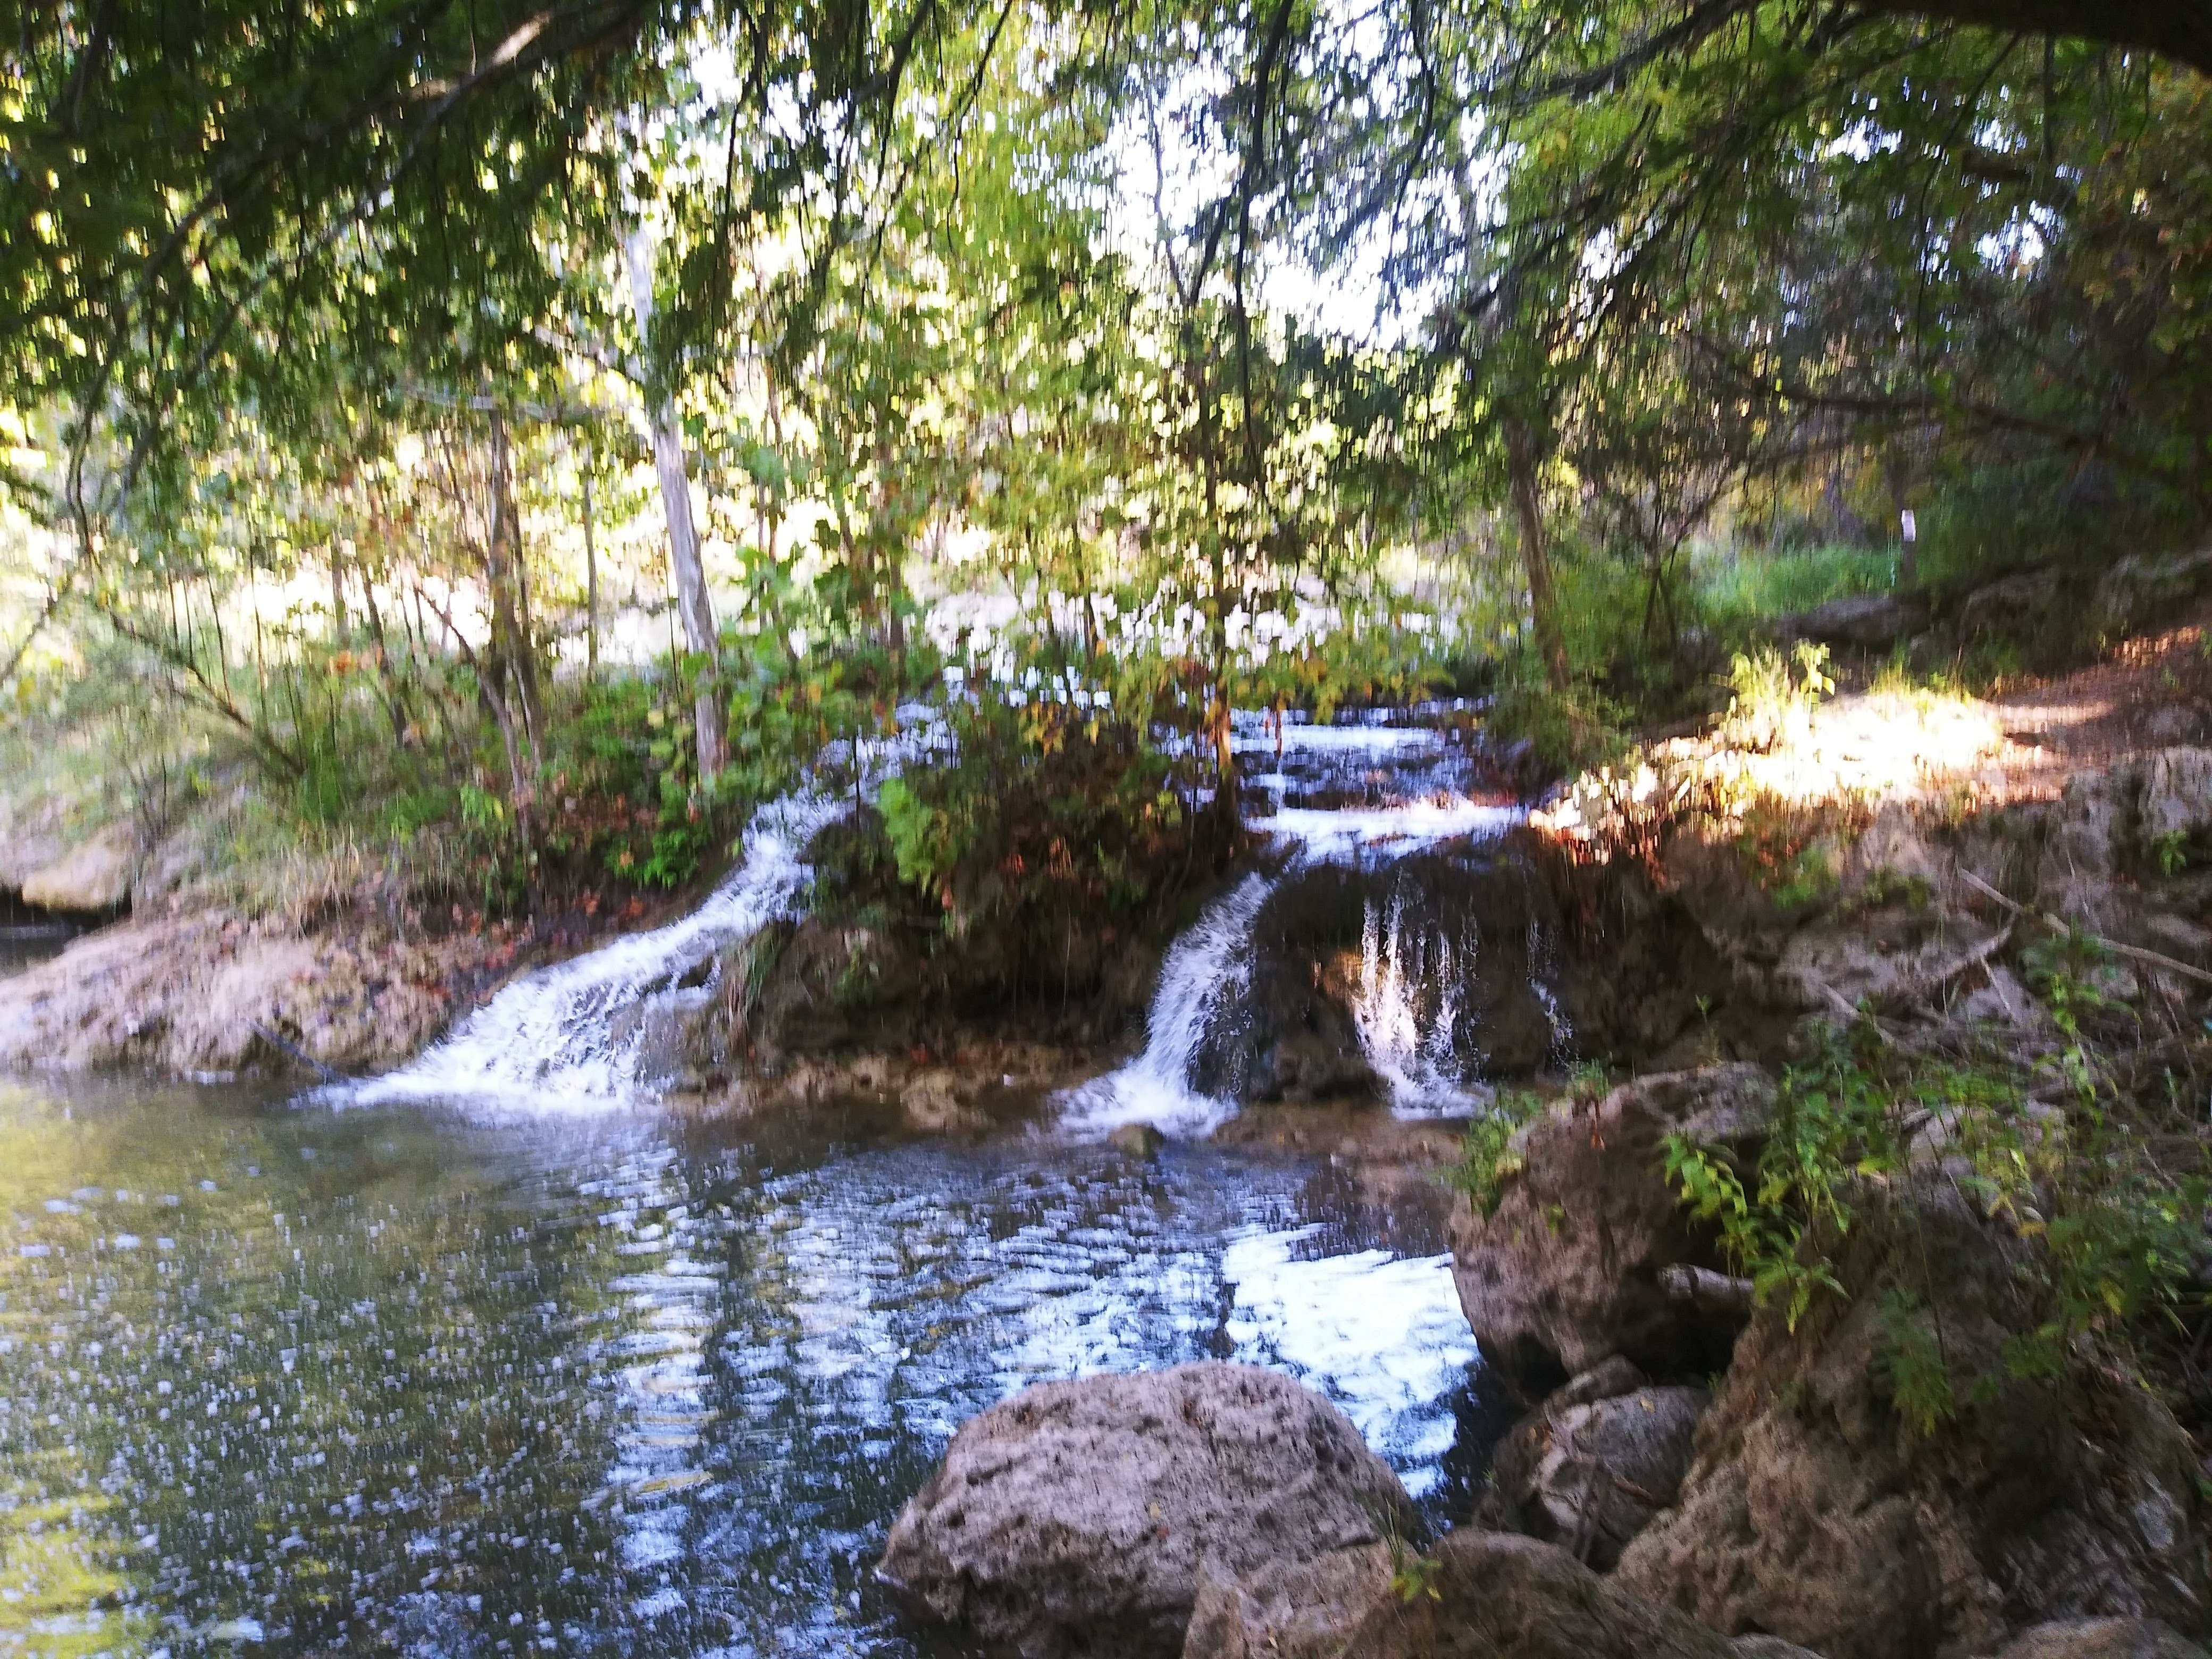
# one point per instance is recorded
(567, 1037)
(1365, 796)
(1406, 1005)
(1201, 980)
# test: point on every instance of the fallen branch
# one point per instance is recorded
(2058, 925)
(293, 1052)
(1705, 1290)
(1926, 985)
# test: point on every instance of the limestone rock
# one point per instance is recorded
(1491, 1595)
(1866, 621)
(1288, 1609)
(937, 1100)
(92, 876)
(1768, 1647)
(31, 838)
(2102, 1638)
(2008, 607)
(2177, 794)
(2139, 591)
(1077, 1516)
(198, 993)
(1591, 1474)
(1564, 1272)
(1813, 1512)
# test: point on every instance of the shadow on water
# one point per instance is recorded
(288, 1379)
(29, 935)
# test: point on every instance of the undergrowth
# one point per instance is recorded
(2051, 1149)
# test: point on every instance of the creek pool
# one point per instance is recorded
(276, 1378)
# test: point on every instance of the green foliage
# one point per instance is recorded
(1487, 1159)
(1912, 1365)
(1745, 585)
(2170, 852)
(1571, 731)
(1029, 843)
(2118, 1234)
(1773, 697)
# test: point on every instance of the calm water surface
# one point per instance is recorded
(277, 1379)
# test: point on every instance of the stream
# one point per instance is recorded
(494, 1355)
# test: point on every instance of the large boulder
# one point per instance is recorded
(1491, 1596)
(1079, 1518)
(1818, 1511)
(1289, 1609)
(1591, 1473)
(1568, 1268)
(2012, 607)
(200, 993)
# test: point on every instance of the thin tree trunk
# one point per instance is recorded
(1536, 557)
(692, 602)
(511, 650)
(590, 588)
(339, 629)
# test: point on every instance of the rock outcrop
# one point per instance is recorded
(201, 993)
(1080, 1517)
(1860, 621)
(1568, 1269)
(1491, 1595)
(91, 878)
(1817, 1512)
(2140, 591)
(1592, 1465)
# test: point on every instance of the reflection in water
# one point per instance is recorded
(391, 1379)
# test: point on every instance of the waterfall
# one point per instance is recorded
(558, 1039)
(1406, 1008)
(1202, 979)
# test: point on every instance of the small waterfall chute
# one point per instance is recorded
(1406, 1005)
(563, 1038)
(1365, 796)
(1202, 981)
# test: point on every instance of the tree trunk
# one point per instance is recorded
(510, 639)
(1535, 556)
(692, 602)
(590, 588)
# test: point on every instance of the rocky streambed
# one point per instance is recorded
(1547, 1416)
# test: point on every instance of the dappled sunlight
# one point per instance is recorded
(1859, 751)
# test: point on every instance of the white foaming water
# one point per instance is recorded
(1206, 972)
(1209, 968)
(1383, 1336)
(1345, 836)
(553, 1040)
(1410, 1044)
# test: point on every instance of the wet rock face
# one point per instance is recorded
(1490, 1596)
(1812, 1513)
(1471, 964)
(1077, 1517)
(1423, 968)
(1568, 1269)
